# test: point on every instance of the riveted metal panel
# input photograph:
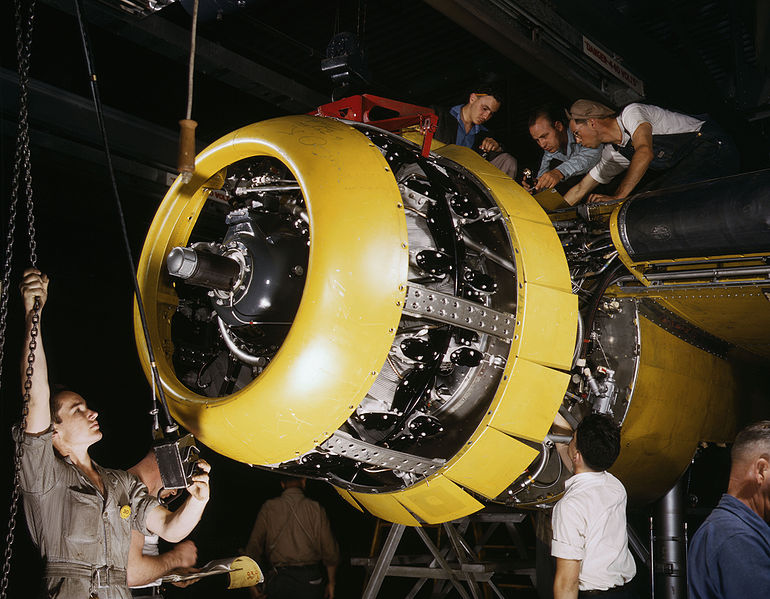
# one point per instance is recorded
(437, 500)
(387, 507)
(533, 396)
(490, 463)
(682, 396)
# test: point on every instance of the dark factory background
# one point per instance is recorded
(257, 60)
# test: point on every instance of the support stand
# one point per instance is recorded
(670, 545)
(460, 564)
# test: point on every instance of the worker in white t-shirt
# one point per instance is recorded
(642, 137)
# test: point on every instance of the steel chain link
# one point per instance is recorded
(22, 164)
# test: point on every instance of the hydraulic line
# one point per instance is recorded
(609, 276)
(171, 426)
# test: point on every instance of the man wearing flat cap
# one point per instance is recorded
(641, 137)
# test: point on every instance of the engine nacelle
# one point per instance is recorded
(362, 314)
(325, 301)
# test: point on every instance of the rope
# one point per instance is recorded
(186, 156)
(191, 65)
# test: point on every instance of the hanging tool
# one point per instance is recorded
(186, 156)
(176, 455)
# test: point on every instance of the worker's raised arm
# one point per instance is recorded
(34, 284)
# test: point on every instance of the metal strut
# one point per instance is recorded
(22, 168)
(456, 567)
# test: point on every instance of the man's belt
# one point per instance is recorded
(100, 576)
(142, 592)
(299, 565)
(610, 591)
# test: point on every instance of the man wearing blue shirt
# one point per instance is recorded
(464, 125)
(730, 553)
(563, 157)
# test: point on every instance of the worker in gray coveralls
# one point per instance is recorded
(80, 515)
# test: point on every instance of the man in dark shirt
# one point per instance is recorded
(464, 125)
(729, 555)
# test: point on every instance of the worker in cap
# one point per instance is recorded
(677, 147)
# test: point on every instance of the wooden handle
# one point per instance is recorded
(186, 156)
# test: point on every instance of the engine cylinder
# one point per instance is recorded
(203, 269)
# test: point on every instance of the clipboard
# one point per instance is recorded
(243, 571)
(550, 200)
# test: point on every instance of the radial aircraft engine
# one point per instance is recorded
(326, 301)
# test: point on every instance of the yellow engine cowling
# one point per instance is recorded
(313, 400)
(682, 396)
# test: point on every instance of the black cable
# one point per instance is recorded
(172, 426)
(596, 297)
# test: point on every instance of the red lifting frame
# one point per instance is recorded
(357, 108)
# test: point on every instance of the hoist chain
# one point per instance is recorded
(22, 168)
(18, 438)
(21, 159)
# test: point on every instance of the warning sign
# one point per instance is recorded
(613, 66)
